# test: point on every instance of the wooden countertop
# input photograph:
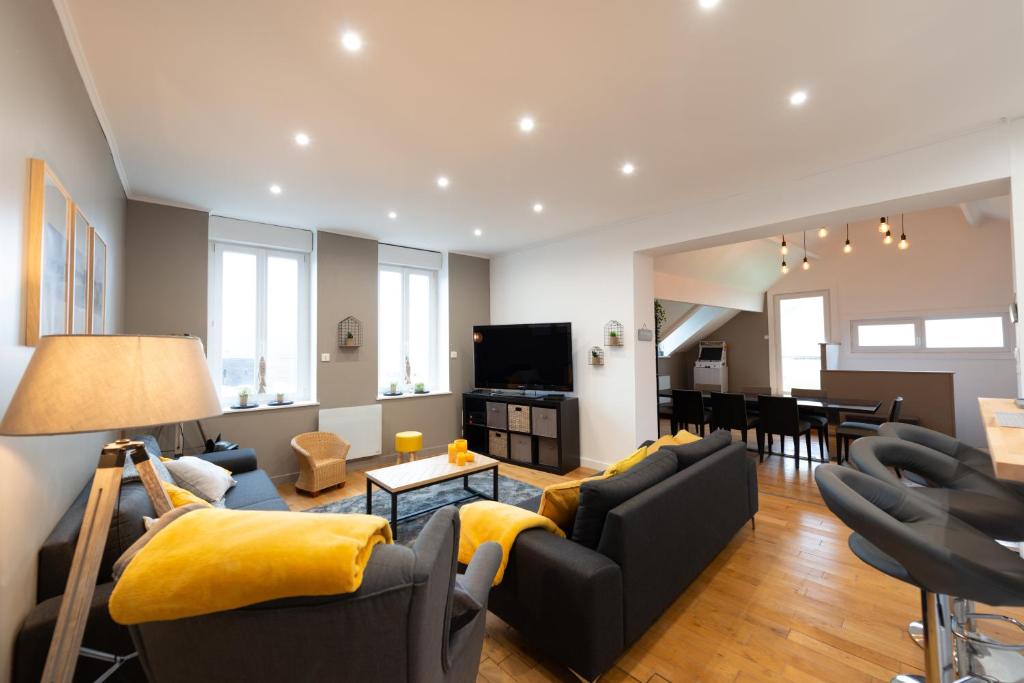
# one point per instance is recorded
(1005, 444)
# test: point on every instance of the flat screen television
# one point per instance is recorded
(536, 356)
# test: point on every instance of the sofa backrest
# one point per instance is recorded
(663, 537)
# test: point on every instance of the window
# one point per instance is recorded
(982, 332)
(801, 324)
(407, 320)
(259, 315)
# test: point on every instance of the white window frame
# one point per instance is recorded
(777, 327)
(921, 345)
(433, 384)
(214, 301)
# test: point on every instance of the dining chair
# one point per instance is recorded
(818, 420)
(729, 411)
(688, 409)
(851, 430)
(781, 415)
(756, 391)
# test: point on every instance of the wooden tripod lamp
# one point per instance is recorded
(79, 383)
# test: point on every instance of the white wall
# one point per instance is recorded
(46, 113)
(950, 267)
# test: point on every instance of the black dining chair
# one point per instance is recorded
(729, 411)
(851, 430)
(688, 409)
(781, 415)
(818, 420)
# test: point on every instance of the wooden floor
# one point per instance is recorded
(787, 602)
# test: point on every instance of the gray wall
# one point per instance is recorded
(44, 113)
(176, 241)
(166, 250)
(748, 353)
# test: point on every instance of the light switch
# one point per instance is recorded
(455, 354)
(325, 358)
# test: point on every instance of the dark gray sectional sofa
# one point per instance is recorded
(254, 491)
(639, 539)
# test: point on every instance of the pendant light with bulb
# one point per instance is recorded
(883, 225)
(785, 268)
(806, 264)
(823, 232)
(888, 237)
(904, 244)
(785, 249)
(847, 248)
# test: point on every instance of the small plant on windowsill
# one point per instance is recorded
(243, 396)
(393, 389)
(420, 388)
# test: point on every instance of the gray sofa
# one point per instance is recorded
(254, 491)
(411, 620)
(639, 539)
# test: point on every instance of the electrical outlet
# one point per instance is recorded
(455, 354)
(325, 358)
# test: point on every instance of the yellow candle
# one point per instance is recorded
(469, 456)
(462, 445)
(452, 450)
(460, 458)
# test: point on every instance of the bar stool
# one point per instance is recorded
(904, 536)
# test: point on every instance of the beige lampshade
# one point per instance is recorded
(80, 383)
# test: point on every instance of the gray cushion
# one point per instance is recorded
(694, 452)
(130, 474)
(600, 496)
(254, 491)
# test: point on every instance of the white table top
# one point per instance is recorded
(411, 475)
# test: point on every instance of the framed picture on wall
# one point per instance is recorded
(97, 283)
(79, 309)
(48, 254)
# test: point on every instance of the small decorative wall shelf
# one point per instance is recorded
(350, 333)
(596, 356)
(613, 332)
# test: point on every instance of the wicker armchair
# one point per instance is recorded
(321, 457)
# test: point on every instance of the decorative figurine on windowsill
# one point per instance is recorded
(262, 388)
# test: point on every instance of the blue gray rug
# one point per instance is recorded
(510, 491)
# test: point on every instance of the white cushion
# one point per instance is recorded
(204, 479)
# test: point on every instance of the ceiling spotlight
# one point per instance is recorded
(883, 225)
(798, 98)
(628, 168)
(527, 124)
(352, 41)
(302, 139)
(443, 182)
(823, 232)
(538, 208)
(785, 248)
(275, 189)
(392, 215)
(847, 248)
(708, 4)
(478, 232)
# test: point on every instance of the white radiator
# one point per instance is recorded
(359, 425)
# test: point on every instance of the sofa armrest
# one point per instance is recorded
(481, 571)
(238, 461)
(566, 598)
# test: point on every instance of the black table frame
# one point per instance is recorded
(395, 519)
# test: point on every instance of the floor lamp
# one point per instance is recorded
(79, 383)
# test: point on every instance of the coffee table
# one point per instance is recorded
(418, 474)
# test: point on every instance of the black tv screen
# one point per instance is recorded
(537, 356)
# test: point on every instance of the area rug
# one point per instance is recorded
(510, 491)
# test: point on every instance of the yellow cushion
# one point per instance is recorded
(181, 497)
(624, 464)
(501, 523)
(408, 442)
(684, 437)
(215, 560)
(559, 502)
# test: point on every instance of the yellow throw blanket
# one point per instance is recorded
(214, 560)
(499, 522)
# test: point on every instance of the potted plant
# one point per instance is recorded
(420, 388)
(243, 396)
(350, 339)
(595, 356)
(613, 338)
(280, 397)
(393, 388)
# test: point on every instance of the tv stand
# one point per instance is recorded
(540, 432)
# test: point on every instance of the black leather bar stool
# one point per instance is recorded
(982, 501)
(851, 430)
(937, 441)
(688, 409)
(905, 536)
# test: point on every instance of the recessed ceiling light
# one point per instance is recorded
(392, 215)
(443, 182)
(478, 232)
(527, 124)
(708, 4)
(275, 189)
(538, 207)
(628, 168)
(351, 41)
(798, 98)
(302, 139)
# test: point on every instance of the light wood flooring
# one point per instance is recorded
(787, 602)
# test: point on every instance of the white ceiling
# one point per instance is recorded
(202, 98)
